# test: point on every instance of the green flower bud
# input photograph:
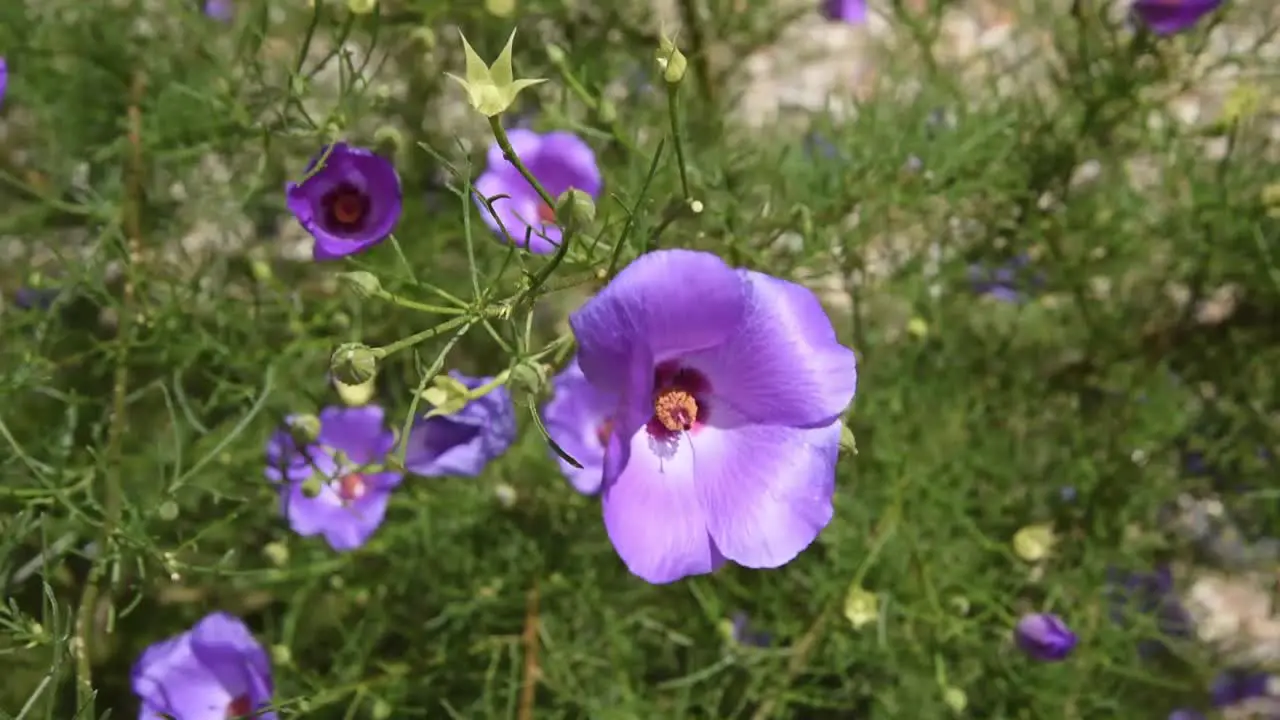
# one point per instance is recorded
(671, 62)
(361, 7)
(277, 553)
(381, 710)
(607, 111)
(355, 395)
(500, 8)
(281, 655)
(168, 511)
(389, 138)
(361, 283)
(955, 699)
(575, 209)
(312, 486)
(305, 429)
(861, 606)
(532, 377)
(556, 54)
(1033, 543)
(447, 395)
(848, 443)
(354, 363)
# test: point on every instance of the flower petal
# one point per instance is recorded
(1166, 18)
(224, 645)
(566, 161)
(526, 144)
(573, 418)
(357, 432)
(516, 212)
(783, 365)
(344, 527)
(170, 679)
(664, 304)
(766, 490)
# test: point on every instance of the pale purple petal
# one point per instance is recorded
(357, 432)
(518, 212)
(345, 526)
(850, 11)
(223, 10)
(524, 142)
(766, 491)
(574, 418)
(565, 161)
(4, 78)
(224, 645)
(665, 304)
(783, 364)
(465, 442)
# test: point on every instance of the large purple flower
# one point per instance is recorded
(850, 11)
(1166, 17)
(214, 671)
(349, 204)
(730, 387)
(464, 442)
(578, 420)
(559, 160)
(337, 486)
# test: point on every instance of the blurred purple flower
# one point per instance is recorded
(1166, 17)
(29, 298)
(1236, 686)
(850, 11)
(1149, 594)
(337, 486)
(4, 78)
(214, 671)
(1186, 714)
(559, 160)
(351, 203)
(223, 10)
(578, 420)
(730, 387)
(464, 442)
(742, 633)
(1044, 637)
(1008, 282)
(817, 146)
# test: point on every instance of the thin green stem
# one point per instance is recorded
(470, 318)
(421, 307)
(673, 110)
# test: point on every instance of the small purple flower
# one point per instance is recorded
(730, 387)
(223, 10)
(336, 487)
(1008, 282)
(4, 78)
(742, 633)
(1236, 686)
(349, 204)
(577, 419)
(559, 160)
(1150, 594)
(1166, 17)
(464, 442)
(214, 671)
(850, 11)
(1044, 637)
(1186, 714)
(29, 298)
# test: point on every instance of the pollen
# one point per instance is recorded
(675, 409)
(352, 487)
(347, 209)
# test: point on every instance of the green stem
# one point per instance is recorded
(497, 310)
(415, 305)
(673, 110)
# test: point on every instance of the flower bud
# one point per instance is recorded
(381, 710)
(671, 62)
(848, 443)
(281, 655)
(277, 553)
(500, 8)
(607, 111)
(312, 486)
(361, 7)
(861, 606)
(361, 283)
(555, 54)
(354, 363)
(955, 699)
(532, 377)
(305, 429)
(389, 138)
(447, 395)
(1033, 542)
(575, 209)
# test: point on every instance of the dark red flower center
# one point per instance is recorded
(546, 213)
(239, 708)
(679, 400)
(603, 431)
(352, 487)
(345, 207)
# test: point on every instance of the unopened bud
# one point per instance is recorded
(355, 395)
(305, 429)
(281, 655)
(955, 699)
(848, 443)
(447, 395)
(861, 606)
(277, 553)
(354, 363)
(575, 209)
(500, 8)
(556, 54)
(389, 138)
(607, 111)
(1033, 542)
(532, 377)
(381, 710)
(361, 7)
(671, 62)
(361, 283)
(312, 486)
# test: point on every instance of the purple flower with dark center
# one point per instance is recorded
(223, 10)
(559, 160)
(214, 671)
(1044, 637)
(1166, 17)
(464, 442)
(337, 486)
(350, 203)
(578, 420)
(850, 11)
(1008, 282)
(730, 387)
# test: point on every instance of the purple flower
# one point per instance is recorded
(559, 160)
(223, 10)
(578, 420)
(349, 204)
(741, 632)
(1166, 17)
(336, 487)
(1044, 637)
(730, 387)
(1236, 686)
(464, 442)
(1148, 594)
(1186, 714)
(214, 671)
(850, 11)
(1007, 282)
(29, 298)
(4, 78)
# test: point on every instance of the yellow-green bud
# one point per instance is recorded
(671, 62)
(361, 7)
(312, 486)
(575, 209)
(607, 111)
(281, 655)
(848, 443)
(305, 429)
(355, 395)
(556, 54)
(861, 606)
(361, 283)
(447, 395)
(1033, 543)
(354, 363)
(500, 8)
(277, 553)
(381, 710)
(389, 138)
(955, 699)
(531, 377)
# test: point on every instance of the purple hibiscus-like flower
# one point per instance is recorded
(223, 10)
(1166, 17)
(214, 671)
(1045, 637)
(559, 160)
(850, 11)
(1009, 282)
(730, 387)
(578, 419)
(463, 443)
(350, 203)
(336, 487)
